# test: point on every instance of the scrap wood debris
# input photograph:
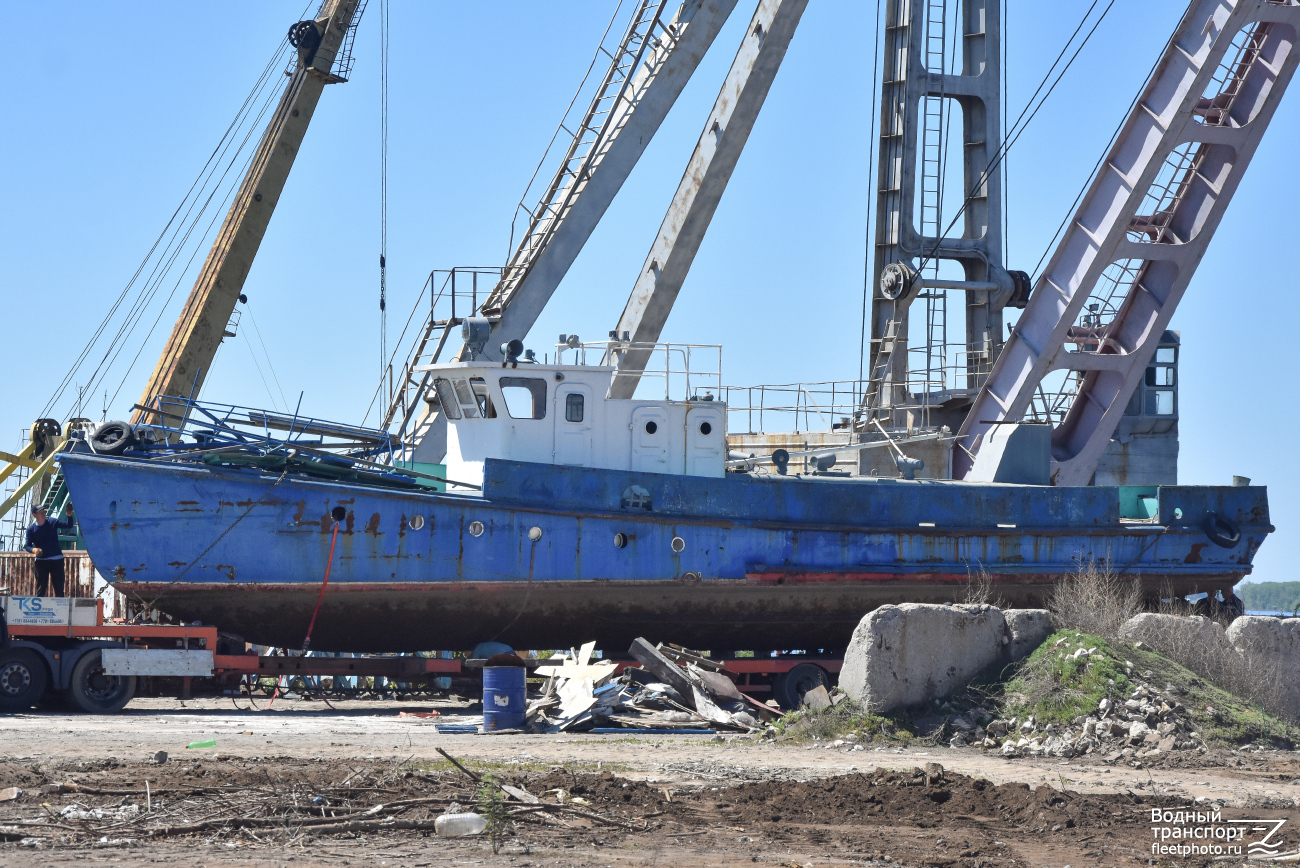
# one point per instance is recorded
(283, 809)
(674, 689)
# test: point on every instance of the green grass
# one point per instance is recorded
(846, 718)
(1055, 689)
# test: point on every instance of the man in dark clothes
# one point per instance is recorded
(43, 541)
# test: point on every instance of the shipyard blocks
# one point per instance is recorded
(1256, 656)
(915, 652)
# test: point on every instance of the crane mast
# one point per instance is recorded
(187, 356)
(1139, 233)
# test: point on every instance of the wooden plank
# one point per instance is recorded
(661, 666)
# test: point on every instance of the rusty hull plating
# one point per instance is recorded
(549, 554)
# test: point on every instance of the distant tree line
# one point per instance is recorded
(1270, 596)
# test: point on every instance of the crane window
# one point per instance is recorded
(525, 397)
(573, 407)
(1160, 402)
(447, 398)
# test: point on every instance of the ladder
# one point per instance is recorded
(605, 118)
(931, 192)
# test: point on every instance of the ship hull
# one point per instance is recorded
(551, 556)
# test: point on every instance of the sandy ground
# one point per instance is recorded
(295, 734)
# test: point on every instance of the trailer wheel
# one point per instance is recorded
(22, 679)
(790, 687)
(93, 691)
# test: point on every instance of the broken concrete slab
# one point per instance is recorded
(817, 698)
(1026, 628)
(915, 652)
(1271, 650)
(1177, 636)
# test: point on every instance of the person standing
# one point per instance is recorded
(43, 541)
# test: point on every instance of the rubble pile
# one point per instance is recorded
(674, 689)
(1149, 721)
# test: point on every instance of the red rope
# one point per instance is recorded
(306, 643)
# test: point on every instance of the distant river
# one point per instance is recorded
(1273, 614)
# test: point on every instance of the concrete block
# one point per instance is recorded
(1271, 650)
(908, 654)
(1027, 629)
(1177, 636)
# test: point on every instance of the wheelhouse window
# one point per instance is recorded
(574, 405)
(447, 397)
(465, 397)
(482, 398)
(525, 397)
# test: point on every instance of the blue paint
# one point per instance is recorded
(504, 697)
(155, 528)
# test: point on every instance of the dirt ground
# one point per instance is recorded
(665, 800)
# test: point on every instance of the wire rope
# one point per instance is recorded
(176, 233)
(1104, 153)
(383, 185)
(873, 172)
(1022, 122)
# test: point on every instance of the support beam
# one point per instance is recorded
(187, 357)
(600, 160)
(725, 133)
(1139, 232)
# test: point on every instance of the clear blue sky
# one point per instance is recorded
(109, 117)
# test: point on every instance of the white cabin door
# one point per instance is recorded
(573, 428)
(706, 441)
(650, 439)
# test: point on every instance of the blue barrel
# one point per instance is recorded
(504, 697)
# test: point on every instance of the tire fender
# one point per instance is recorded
(1221, 530)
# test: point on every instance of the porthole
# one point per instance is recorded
(476, 528)
(706, 429)
(651, 427)
(534, 533)
(678, 544)
(620, 540)
(416, 522)
(1178, 514)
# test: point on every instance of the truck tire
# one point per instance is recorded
(92, 691)
(22, 679)
(112, 438)
(790, 687)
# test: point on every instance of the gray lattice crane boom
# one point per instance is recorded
(726, 131)
(1140, 232)
(647, 72)
(187, 356)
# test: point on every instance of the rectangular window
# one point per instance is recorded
(1166, 355)
(1160, 402)
(468, 405)
(447, 398)
(573, 407)
(1159, 375)
(484, 400)
(525, 397)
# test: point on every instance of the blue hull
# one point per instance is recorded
(743, 562)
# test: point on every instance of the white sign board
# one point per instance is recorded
(151, 661)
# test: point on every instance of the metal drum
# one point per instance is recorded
(503, 697)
